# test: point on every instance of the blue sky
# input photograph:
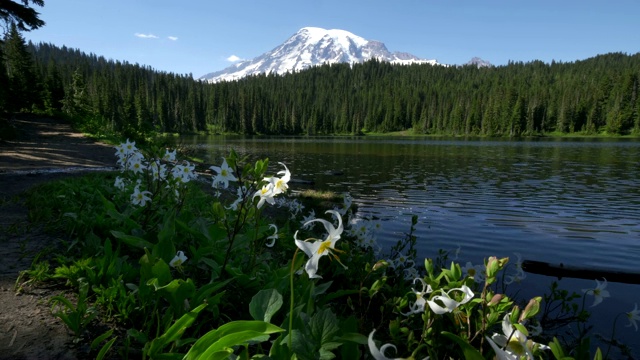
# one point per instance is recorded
(199, 36)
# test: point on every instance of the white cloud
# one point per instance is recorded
(146, 36)
(234, 58)
(173, 38)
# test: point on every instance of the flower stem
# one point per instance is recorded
(613, 334)
(291, 299)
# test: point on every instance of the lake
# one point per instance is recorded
(556, 200)
(570, 201)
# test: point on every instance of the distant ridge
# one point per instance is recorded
(313, 46)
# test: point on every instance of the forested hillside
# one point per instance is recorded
(596, 95)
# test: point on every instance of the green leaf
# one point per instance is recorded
(265, 304)
(175, 331)
(204, 292)
(598, 355)
(324, 326)
(165, 249)
(103, 351)
(521, 328)
(101, 338)
(227, 335)
(131, 240)
(556, 349)
(470, 353)
(355, 338)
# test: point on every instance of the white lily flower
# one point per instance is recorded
(402, 261)
(273, 237)
(296, 207)
(449, 304)
(599, 293)
(378, 354)
(140, 197)
(129, 147)
(240, 191)
(409, 273)
(319, 248)
(119, 183)
(225, 173)
(135, 163)
(418, 306)
(266, 195)
(158, 170)
(512, 343)
(280, 185)
(306, 220)
(476, 272)
(634, 317)
(121, 151)
(169, 155)
(184, 172)
(178, 260)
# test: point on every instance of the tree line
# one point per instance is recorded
(592, 96)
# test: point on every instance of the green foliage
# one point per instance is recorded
(77, 317)
(180, 275)
(589, 97)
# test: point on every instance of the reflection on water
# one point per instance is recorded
(570, 201)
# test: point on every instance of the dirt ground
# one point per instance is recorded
(45, 149)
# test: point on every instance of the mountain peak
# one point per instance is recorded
(479, 62)
(313, 46)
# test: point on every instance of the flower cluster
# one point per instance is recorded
(146, 178)
(274, 186)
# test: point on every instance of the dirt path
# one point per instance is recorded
(46, 149)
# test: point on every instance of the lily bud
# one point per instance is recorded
(532, 308)
(495, 300)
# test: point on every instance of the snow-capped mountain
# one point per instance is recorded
(479, 62)
(312, 46)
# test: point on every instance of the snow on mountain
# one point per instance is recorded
(312, 46)
(479, 62)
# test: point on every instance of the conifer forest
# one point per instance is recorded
(598, 95)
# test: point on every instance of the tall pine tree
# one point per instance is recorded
(23, 83)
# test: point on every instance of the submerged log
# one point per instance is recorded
(560, 270)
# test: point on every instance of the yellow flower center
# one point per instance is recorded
(326, 245)
(516, 347)
(223, 173)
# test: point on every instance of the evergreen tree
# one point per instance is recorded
(23, 83)
(22, 15)
(4, 83)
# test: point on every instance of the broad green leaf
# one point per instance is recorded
(215, 340)
(265, 304)
(324, 326)
(162, 272)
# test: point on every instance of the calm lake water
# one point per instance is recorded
(570, 201)
(575, 201)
